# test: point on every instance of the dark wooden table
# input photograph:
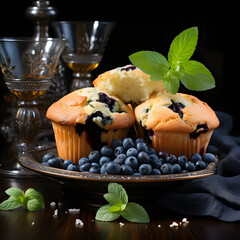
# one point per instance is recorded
(43, 224)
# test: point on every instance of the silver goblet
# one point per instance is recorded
(85, 48)
(28, 66)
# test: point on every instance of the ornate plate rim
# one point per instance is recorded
(28, 160)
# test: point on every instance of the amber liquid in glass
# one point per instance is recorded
(82, 63)
(28, 95)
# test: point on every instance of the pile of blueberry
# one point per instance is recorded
(130, 157)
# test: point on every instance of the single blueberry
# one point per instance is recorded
(95, 168)
(153, 157)
(156, 171)
(83, 160)
(145, 169)
(131, 161)
(137, 174)
(54, 162)
(200, 165)
(66, 163)
(119, 150)
(208, 158)
(138, 140)
(166, 168)
(94, 156)
(112, 168)
(116, 143)
(157, 163)
(126, 170)
(171, 159)
(103, 169)
(143, 157)
(162, 154)
(72, 167)
(190, 167)
(85, 167)
(46, 164)
(176, 168)
(181, 160)
(120, 159)
(103, 160)
(47, 156)
(132, 152)
(151, 151)
(128, 143)
(195, 157)
(106, 151)
(142, 147)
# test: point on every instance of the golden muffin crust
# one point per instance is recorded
(180, 113)
(128, 83)
(108, 112)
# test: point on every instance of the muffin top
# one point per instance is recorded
(128, 83)
(176, 113)
(90, 104)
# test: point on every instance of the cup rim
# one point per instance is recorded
(31, 39)
(75, 22)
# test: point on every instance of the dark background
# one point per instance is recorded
(152, 25)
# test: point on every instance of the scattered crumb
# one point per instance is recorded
(184, 220)
(159, 225)
(174, 224)
(79, 222)
(55, 213)
(60, 204)
(32, 223)
(74, 210)
(53, 204)
(92, 220)
(121, 224)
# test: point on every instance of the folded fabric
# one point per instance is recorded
(217, 195)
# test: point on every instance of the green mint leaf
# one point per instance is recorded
(120, 194)
(196, 76)
(183, 46)
(112, 198)
(34, 204)
(150, 62)
(15, 192)
(103, 214)
(171, 82)
(115, 208)
(135, 213)
(10, 203)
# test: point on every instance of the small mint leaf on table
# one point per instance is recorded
(119, 192)
(135, 213)
(10, 204)
(103, 214)
(31, 200)
(119, 206)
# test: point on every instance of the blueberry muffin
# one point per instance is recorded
(128, 83)
(180, 124)
(87, 118)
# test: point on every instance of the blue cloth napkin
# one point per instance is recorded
(217, 195)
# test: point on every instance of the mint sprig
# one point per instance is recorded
(178, 68)
(119, 206)
(31, 199)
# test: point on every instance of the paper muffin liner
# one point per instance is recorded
(71, 145)
(181, 143)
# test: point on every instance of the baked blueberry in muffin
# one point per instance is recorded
(180, 124)
(87, 118)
